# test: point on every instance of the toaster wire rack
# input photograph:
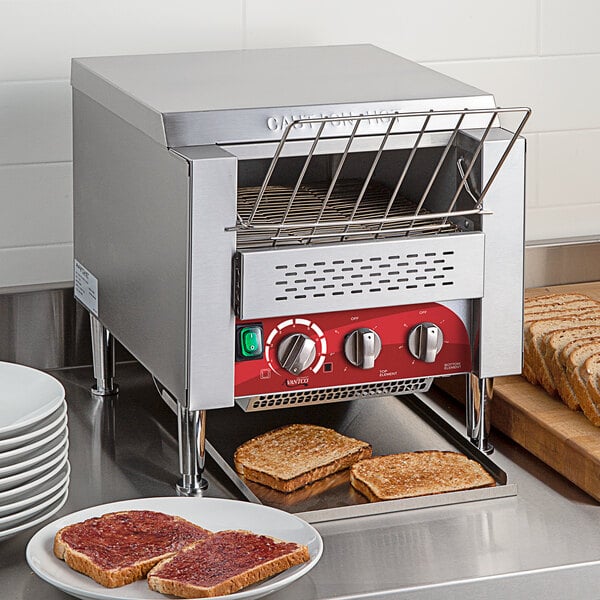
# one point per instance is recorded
(343, 209)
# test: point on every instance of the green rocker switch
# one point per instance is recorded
(250, 342)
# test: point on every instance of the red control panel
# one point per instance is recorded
(349, 347)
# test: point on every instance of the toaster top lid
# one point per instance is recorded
(251, 95)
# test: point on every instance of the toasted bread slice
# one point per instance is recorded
(119, 548)
(417, 474)
(226, 562)
(292, 456)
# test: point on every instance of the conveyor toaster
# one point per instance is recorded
(296, 226)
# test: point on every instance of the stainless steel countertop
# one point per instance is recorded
(543, 543)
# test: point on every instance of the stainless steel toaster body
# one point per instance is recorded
(178, 160)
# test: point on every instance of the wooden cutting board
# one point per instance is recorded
(565, 440)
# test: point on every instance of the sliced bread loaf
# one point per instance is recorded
(119, 548)
(551, 346)
(292, 456)
(572, 356)
(540, 328)
(528, 373)
(590, 401)
(226, 562)
(536, 313)
(553, 299)
(411, 474)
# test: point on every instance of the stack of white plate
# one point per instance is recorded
(34, 443)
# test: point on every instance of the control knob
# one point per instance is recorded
(425, 341)
(296, 352)
(362, 347)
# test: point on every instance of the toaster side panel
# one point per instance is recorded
(131, 205)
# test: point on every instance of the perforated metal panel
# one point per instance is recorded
(281, 282)
(334, 394)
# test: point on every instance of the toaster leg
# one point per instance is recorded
(478, 400)
(192, 437)
(103, 353)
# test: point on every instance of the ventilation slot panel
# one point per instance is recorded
(334, 394)
(278, 282)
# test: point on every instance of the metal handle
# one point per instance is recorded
(425, 341)
(460, 165)
(368, 350)
(362, 347)
(296, 352)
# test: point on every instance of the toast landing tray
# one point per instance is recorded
(389, 424)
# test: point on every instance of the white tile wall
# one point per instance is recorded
(569, 27)
(41, 36)
(540, 53)
(35, 122)
(42, 263)
(562, 90)
(37, 40)
(432, 30)
(549, 223)
(531, 179)
(35, 204)
(569, 163)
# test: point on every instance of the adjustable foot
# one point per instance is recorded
(103, 353)
(191, 488)
(192, 437)
(479, 393)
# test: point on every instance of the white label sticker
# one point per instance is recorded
(86, 288)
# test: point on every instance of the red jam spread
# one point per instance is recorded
(222, 556)
(119, 539)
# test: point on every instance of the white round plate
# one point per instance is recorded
(32, 486)
(12, 481)
(15, 455)
(212, 513)
(26, 396)
(37, 456)
(52, 487)
(40, 430)
(14, 519)
(52, 510)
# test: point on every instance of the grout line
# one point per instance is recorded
(244, 24)
(562, 207)
(532, 171)
(28, 246)
(35, 164)
(41, 80)
(523, 57)
(570, 130)
(580, 53)
(478, 59)
(539, 27)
